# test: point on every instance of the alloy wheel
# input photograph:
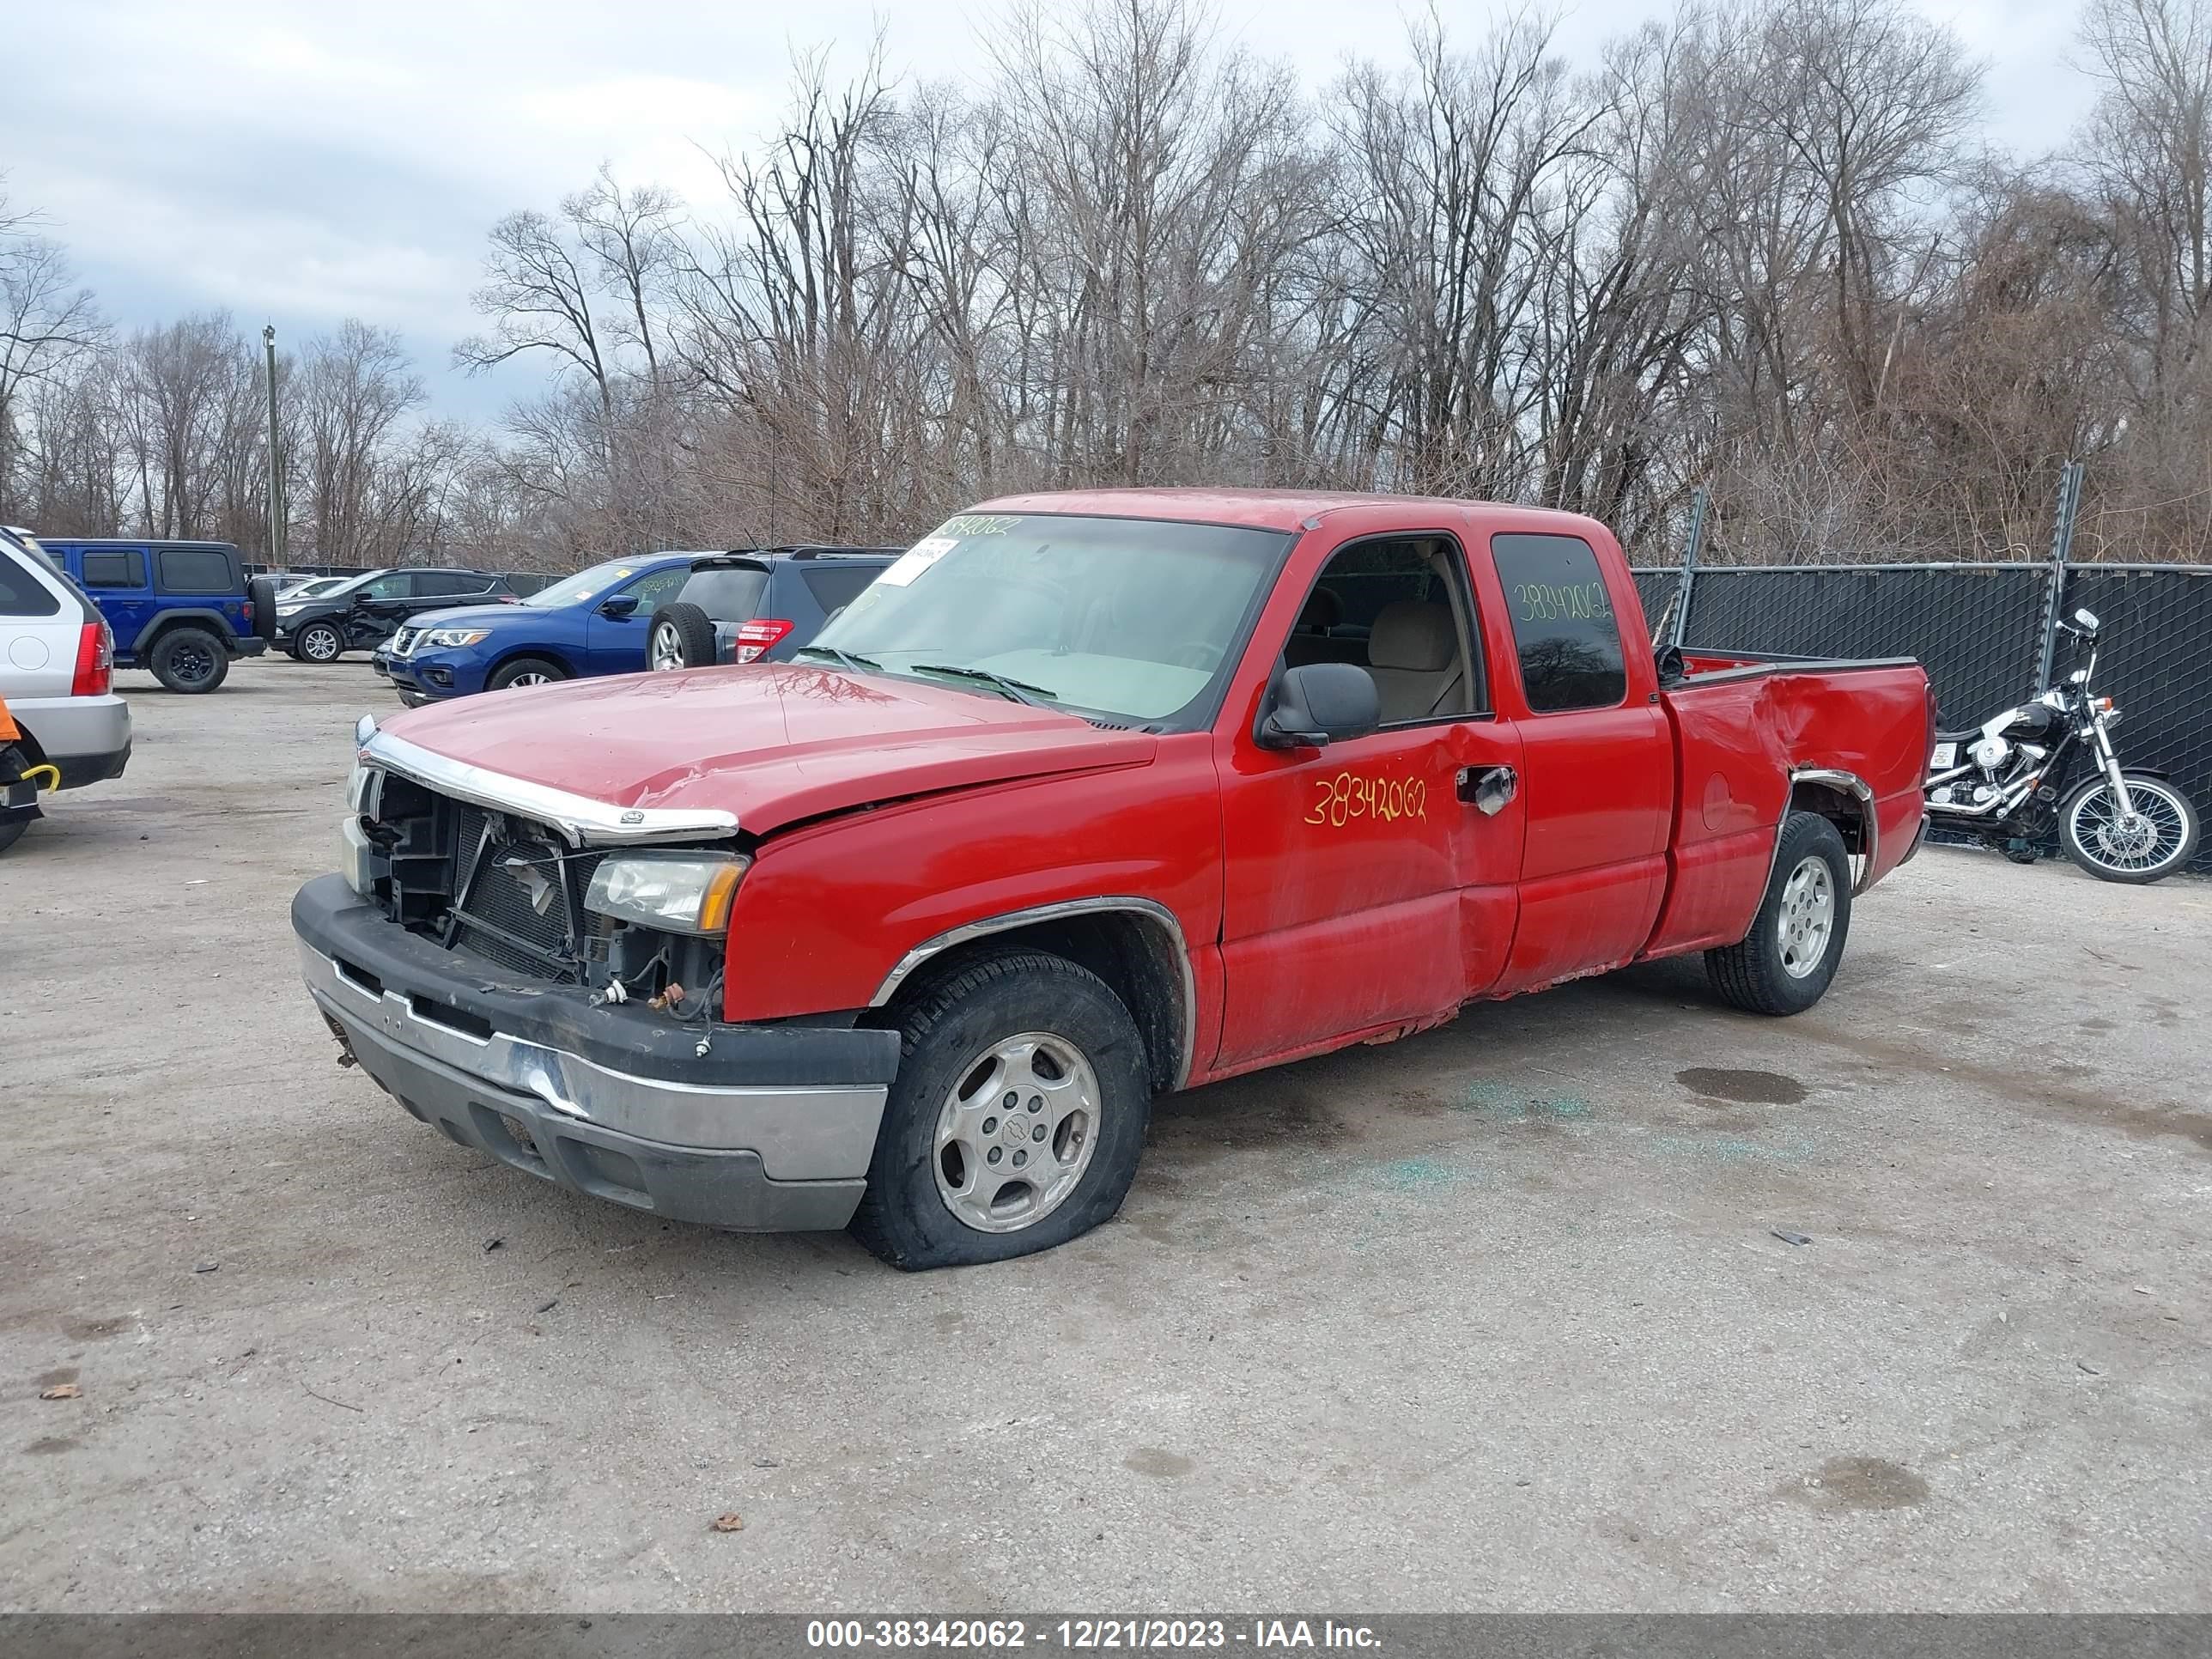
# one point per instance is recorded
(1808, 916)
(1017, 1131)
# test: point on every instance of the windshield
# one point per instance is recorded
(316, 588)
(575, 590)
(1135, 619)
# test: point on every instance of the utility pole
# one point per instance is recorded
(275, 460)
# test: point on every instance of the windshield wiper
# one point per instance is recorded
(850, 660)
(1019, 690)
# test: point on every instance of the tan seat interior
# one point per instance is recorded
(1413, 655)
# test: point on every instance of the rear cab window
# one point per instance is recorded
(1564, 632)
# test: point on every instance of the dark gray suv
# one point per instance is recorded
(759, 604)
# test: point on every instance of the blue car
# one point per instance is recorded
(595, 622)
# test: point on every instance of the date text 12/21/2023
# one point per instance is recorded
(1087, 1635)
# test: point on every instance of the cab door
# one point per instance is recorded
(1598, 757)
(1365, 888)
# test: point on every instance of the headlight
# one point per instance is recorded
(360, 790)
(354, 855)
(674, 892)
(289, 609)
(452, 636)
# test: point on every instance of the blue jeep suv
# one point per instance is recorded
(595, 622)
(182, 609)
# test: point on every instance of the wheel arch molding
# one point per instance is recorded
(1135, 945)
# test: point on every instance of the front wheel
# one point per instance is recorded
(2146, 845)
(525, 671)
(1016, 1120)
(1785, 963)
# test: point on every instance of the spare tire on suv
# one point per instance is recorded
(683, 636)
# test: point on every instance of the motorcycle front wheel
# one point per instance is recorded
(2152, 844)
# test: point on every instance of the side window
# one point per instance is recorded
(195, 570)
(439, 584)
(114, 567)
(22, 594)
(658, 587)
(1398, 608)
(835, 585)
(393, 585)
(1564, 627)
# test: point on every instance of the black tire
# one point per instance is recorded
(12, 831)
(946, 1032)
(1754, 975)
(523, 671)
(2172, 855)
(318, 642)
(190, 661)
(683, 632)
(262, 591)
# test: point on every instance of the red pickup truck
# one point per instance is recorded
(1088, 798)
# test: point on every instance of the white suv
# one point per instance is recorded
(57, 669)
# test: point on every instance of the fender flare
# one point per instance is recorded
(1151, 911)
(169, 617)
(1860, 792)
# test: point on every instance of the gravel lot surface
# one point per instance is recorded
(1497, 1318)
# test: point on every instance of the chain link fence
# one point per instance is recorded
(1980, 631)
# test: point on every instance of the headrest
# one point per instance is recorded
(1411, 634)
(1322, 612)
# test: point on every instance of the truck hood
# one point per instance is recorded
(772, 743)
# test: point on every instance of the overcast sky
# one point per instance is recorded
(300, 163)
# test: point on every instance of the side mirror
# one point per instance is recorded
(2087, 620)
(1318, 703)
(618, 606)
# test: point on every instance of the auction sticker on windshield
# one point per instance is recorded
(918, 558)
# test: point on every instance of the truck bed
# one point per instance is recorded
(1750, 730)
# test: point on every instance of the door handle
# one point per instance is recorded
(1488, 788)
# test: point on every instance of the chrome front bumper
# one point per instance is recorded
(772, 1155)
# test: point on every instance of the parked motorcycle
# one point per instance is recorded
(2007, 781)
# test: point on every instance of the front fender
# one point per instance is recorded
(836, 915)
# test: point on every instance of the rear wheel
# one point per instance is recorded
(318, 642)
(11, 831)
(525, 671)
(683, 637)
(1016, 1119)
(1785, 963)
(2145, 844)
(190, 659)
